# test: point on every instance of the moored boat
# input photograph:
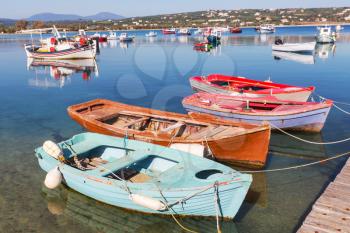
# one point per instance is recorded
(85, 49)
(302, 116)
(203, 46)
(143, 177)
(293, 47)
(169, 31)
(151, 34)
(112, 36)
(266, 28)
(236, 30)
(124, 37)
(229, 141)
(184, 32)
(244, 87)
(325, 35)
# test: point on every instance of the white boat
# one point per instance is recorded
(293, 47)
(266, 28)
(62, 51)
(124, 37)
(308, 59)
(199, 31)
(339, 28)
(112, 36)
(151, 34)
(184, 32)
(325, 35)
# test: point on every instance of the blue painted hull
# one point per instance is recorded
(231, 193)
(304, 121)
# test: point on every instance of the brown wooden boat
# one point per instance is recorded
(229, 141)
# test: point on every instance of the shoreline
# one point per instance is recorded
(159, 29)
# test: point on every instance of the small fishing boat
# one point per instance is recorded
(203, 46)
(339, 28)
(85, 49)
(143, 177)
(151, 34)
(236, 30)
(199, 31)
(99, 37)
(244, 87)
(325, 35)
(302, 116)
(112, 36)
(124, 37)
(214, 38)
(184, 32)
(266, 28)
(169, 31)
(293, 47)
(228, 141)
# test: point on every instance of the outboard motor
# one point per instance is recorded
(278, 42)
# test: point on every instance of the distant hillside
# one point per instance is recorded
(46, 17)
(7, 22)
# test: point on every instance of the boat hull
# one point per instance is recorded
(248, 149)
(302, 95)
(79, 53)
(231, 190)
(297, 47)
(310, 121)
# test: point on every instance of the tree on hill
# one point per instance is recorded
(38, 24)
(21, 24)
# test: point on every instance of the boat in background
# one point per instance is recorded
(214, 38)
(184, 32)
(303, 58)
(199, 31)
(99, 37)
(228, 141)
(244, 87)
(151, 34)
(112, 36)
(339, 28)
(266, 28)
(236, 30)
(325, 35)
(124, 37)
(291, 115)
(169, 31)
(293, 47)
(143, 177)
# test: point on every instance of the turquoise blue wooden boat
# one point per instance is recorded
(145, 177)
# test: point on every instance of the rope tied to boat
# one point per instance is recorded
(308, 141)
(301, 165)
(217, 208)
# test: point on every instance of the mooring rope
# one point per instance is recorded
(340, 109)
(216, 202)
(301, 165)
(308, 141)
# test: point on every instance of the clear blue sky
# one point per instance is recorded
(25, 8)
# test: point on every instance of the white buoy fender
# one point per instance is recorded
(148, 202)
(52, 149)
(53, 178)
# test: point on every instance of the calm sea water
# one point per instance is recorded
(154, 73)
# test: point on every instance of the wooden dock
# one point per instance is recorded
(331, 212)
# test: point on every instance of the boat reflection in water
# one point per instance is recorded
(304, 58)
(324, 50)
(68, 204)
(58, 73)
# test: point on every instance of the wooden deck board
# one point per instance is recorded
(331, 212)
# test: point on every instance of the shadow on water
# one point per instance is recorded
(68, 204)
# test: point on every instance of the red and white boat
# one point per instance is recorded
(292, 115)
(236, 30)
(169, 31)
(84, 49)
(240, 86)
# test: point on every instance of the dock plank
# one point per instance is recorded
(331, 212)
